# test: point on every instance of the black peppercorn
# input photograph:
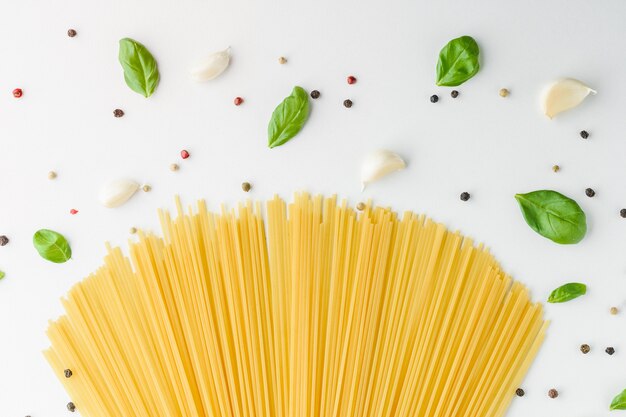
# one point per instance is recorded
(464, 196)
(434, 98)
(67, 373)
(519, 392)
(589, 192)
(585, 348)
(347, 103)
(118, 112)
(71, 406)
(610, 350)
(71, 33)
(454, 93)
(553, 393)
(622, 213)
(4, 240)
(315, 94)
(584, 134)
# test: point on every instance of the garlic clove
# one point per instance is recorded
(379, 163)
(117, 192)
(563, 95)
(211, 66)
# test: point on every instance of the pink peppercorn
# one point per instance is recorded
(238, 101)
(184, 154)
(17, 93)
(73, 211)
(351, 79)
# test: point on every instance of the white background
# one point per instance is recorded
(480, 143)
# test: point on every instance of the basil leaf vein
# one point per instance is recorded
(140, 68)
(567, 292)
(52, 246)
(288, 118)
(553, 216)
(458, 61)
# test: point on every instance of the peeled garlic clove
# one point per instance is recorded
(563, 95)
(379, 163)
(117, 192)
(211, 66)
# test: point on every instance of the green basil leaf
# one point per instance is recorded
(140, 67)
(288, 118)
(567, 292)
(458, 61)
(52, 246)
(553, 215)
(619, 402)
(1, 274)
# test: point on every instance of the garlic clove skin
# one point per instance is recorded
(211, 66)
(117, 192)
(563, 95)
(379, 163)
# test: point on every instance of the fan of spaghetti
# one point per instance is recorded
(314, 311)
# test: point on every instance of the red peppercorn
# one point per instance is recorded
(73, 211)
(17, 93)
(351, 79)
(184, 154)
(238, 101)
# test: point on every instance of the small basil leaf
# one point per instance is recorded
(553, 216)
(288, 118)
(619, 402)
(567, 292)
(458, 61)
(140, 68)
(52, 246)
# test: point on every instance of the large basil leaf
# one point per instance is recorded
(619, 402)
(288, 118)
(52, 246)
(140, 67)
(458, 61)
(553, 215)
(567, 292)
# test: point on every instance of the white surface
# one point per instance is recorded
(481, 143)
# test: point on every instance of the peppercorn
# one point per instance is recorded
(347, 103)
(622, 213)
(146, 188)
(614, 310)
(454, 93)
(552, 393)
(71, 406)
(282, 60)
(133, 230)
(52, 175)
(434, 98)
(556, 168)
(610, 350)
(589, 192)
(118, 112)
(360, 206)
(174, 167)
(17, 93)
(503, 92)
(246, 186)
(184, 154)
(67, 373)
(4, 240)
(238, 101)
(464, 196)
(71, 33)
(351, 79)
(585, 348)
(73, 211)
(584, 134)
(315, 94)
(519, 392)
